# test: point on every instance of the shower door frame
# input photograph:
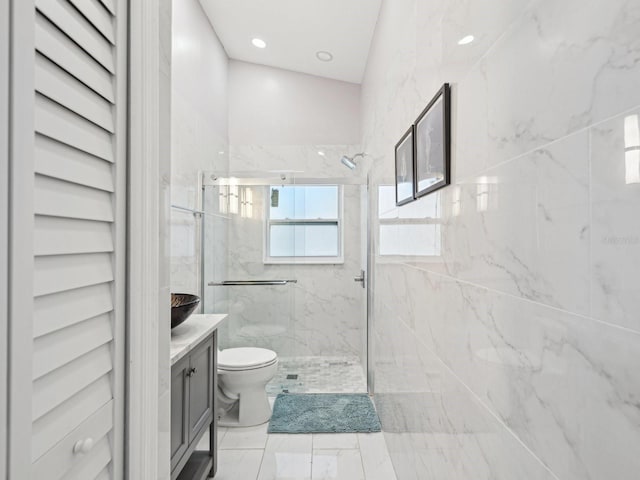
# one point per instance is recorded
(211, 179)
(369, 284)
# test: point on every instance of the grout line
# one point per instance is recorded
(364, 471)
(386, 448)
(544, 146)
(313, 435)
(241, 448)
(264, 450)
(524, 299)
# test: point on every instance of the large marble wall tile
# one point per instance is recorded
(523, 227)
(615, 247)
(560, 69)
(302, 160)
(486, 21)
(561, 382)
(434, 427)
(520, 228)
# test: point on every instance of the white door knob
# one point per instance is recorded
(83, 446)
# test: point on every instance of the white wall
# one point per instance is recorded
(513, 354)
(271, 106)
(199, 131)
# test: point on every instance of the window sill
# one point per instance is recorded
(304, 261)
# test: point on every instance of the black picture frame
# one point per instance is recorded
(432, 145)
(405, 167)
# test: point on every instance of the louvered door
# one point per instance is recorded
(79, 188)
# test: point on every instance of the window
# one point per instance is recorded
(304, 224)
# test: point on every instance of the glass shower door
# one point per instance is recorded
(258, 299)
(331, 305)
(311, 234)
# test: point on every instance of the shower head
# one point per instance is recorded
(349, 162)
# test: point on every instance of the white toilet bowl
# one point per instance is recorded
(243, 374)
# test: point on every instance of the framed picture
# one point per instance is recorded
(404, 168)
(433, 145)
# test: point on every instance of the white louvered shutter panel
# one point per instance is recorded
(79, 239)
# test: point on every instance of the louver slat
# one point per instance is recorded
(78, 29)
(99, 17)
(62, 51)
(59, 86)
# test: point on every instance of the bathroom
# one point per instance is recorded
(493, 323)
(484, 320)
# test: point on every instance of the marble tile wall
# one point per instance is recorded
(303, 159)
(512, 352)
(199, 134)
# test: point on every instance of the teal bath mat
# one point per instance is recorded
(323, 413)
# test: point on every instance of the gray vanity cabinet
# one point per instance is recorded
(179, 409)
(193, 383)
(200, 376)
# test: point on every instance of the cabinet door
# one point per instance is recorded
(179, 410)
(68, 238)
(201, 388)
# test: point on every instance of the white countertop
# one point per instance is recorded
(193, 331)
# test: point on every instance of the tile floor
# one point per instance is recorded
(253, 454)
(318, 375)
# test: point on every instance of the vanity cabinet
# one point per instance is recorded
(193, 387)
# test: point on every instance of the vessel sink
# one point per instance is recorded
(182, 305)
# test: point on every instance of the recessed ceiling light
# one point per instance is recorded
(466, 40)
(321, 153)
(324, 56)
(258, 42)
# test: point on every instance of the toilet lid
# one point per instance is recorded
(245, 357)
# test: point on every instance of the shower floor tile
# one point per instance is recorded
(318, 375)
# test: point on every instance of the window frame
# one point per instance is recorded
(304, 260)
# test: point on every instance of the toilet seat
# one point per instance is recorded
(245, 358)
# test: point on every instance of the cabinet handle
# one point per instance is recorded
(192, 372)
(83, 446)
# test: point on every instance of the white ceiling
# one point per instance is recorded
(295, 30)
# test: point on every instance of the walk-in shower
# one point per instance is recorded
(280, 256)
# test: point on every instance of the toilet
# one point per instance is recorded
(243, 374)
